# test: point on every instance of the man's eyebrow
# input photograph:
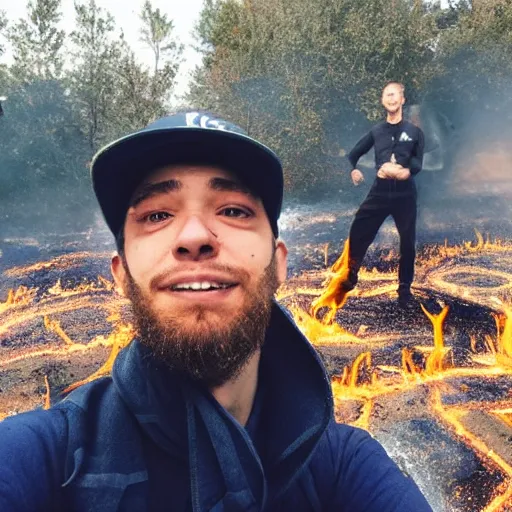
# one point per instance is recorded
(152, 189)
(227, 185)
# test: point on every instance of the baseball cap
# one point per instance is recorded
(184, 138)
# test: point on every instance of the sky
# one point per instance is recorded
(184, 13)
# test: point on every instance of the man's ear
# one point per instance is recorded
(118, 273)
(281, 256)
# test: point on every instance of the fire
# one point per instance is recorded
(349, 387)
(435, 360)
(383, 366)
(433, 255)
(453, 418)
(65, 261)
(317, 332)
(409, 368)
(46, 397)
(118, 339)
(54, 325)
(101, 284)
(504, 337)
(334, 297)
(19, 297)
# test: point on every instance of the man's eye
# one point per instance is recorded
(157, 217)
(234, 212)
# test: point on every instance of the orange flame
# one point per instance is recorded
(408, 366)
(102, 284)
(47, 403)
(345, 384)
(118, 339)
(19, 297)
(334, 297)
(434, 362)
(317, 332)
(505, 338)
(452, 417)
(54, 325)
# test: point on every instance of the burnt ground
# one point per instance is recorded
(430, 424)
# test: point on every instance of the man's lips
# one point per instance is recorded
(199, 283)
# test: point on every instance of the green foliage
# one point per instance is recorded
(96, 53)
(303, 71)
(37, 42)
(57, 116)
(3, 25)
(477, 54)
(42, 156)
(157, 32)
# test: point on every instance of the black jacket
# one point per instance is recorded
(405, 140)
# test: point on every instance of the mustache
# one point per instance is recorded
(238, 274)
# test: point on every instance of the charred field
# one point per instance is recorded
(432, 382)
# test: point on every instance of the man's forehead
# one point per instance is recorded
(173, 178)
(388, 88)
(183, 172)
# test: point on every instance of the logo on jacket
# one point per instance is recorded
(405, 138)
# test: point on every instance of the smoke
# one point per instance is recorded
(466, 182)
(472, 189)
(44, 180)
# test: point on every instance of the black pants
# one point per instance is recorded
(387, 197)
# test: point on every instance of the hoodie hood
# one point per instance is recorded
(232, 467)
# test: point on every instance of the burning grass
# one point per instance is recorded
(426, 359)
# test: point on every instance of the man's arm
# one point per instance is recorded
(32, 454)
(416, 162)
(361, 148)
(367, 478)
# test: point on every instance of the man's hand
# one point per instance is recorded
(403, 174)
(357, 177)
(391, 171)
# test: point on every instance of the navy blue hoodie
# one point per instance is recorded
(146, 441)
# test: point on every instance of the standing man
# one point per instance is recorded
(219, 404)
(398, 158)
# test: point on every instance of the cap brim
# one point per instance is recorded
(118, 169)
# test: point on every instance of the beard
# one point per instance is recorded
(211, 352)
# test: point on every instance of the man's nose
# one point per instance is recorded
(195, 240)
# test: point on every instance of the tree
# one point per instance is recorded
(96, 56)
(138, 101)
(157, 32)
(306, 75)
(37, 42)
(477, 68)
(3, 67)
(3, 25)
(44, 156)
